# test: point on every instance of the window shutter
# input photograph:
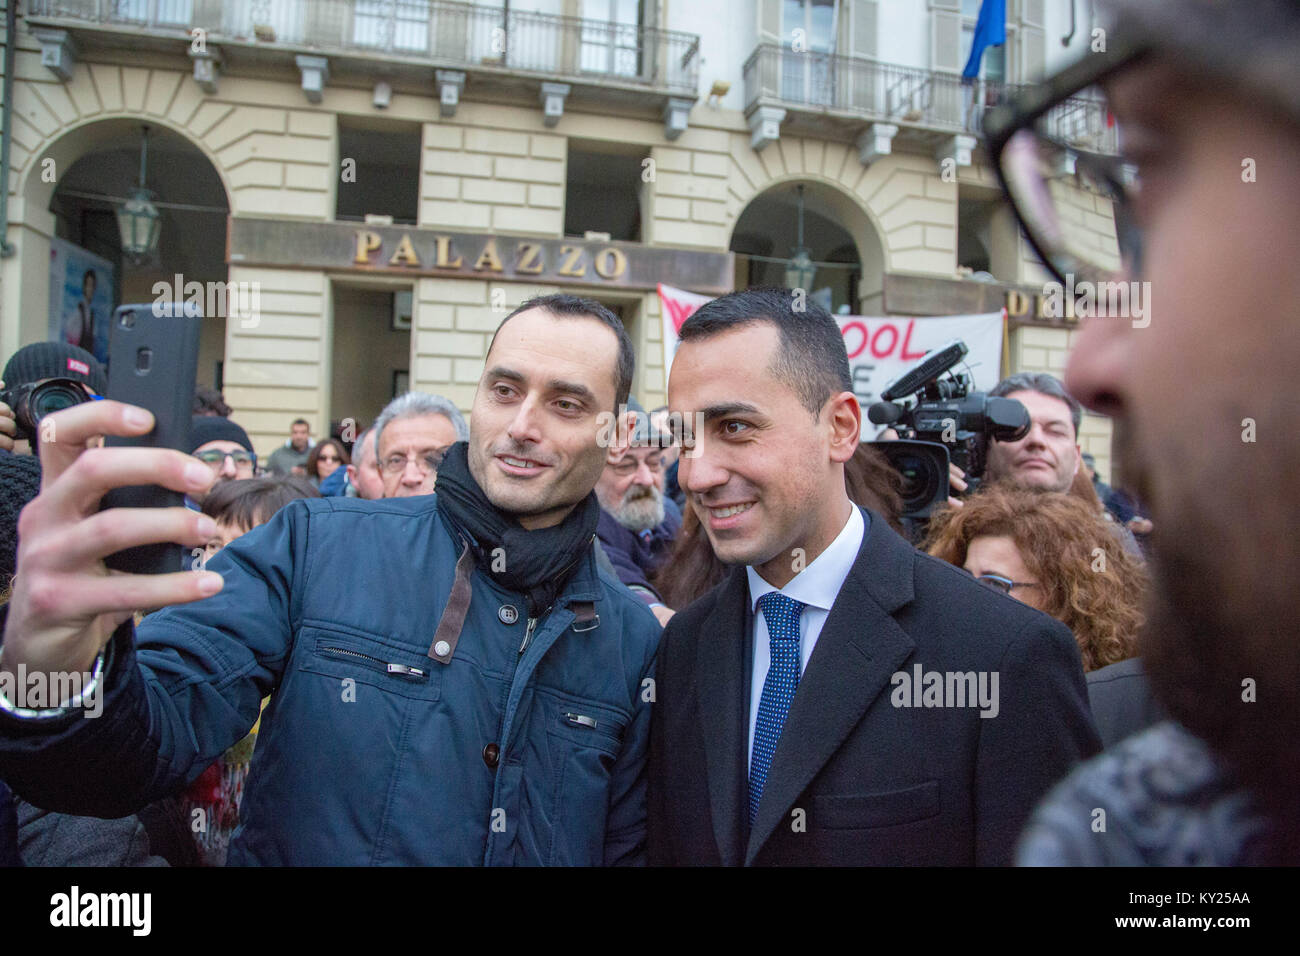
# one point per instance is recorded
(1032, 54)
(769, 21)
(945, 41)
(863, 26)
(857, 80)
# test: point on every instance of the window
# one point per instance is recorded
(808, 39)
(611, 37)
(386, 161)
(401, 26)
(603, 192)
(161, 13)
(987, 235)
(993, 65)
(280, 22)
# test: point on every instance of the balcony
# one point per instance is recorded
(401, 37)
(825, 93)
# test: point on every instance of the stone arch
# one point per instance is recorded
(75, 140)
(33, 223)
(835, 200)
(833, 174)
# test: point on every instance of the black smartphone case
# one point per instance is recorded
(152, 361)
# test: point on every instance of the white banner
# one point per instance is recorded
(675, 307)
(880, 349)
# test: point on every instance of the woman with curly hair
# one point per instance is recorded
(1053, 552)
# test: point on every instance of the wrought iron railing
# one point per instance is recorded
(892, 93)
(447, 34)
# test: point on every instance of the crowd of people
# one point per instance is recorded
(526, 638)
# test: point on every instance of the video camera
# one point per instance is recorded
(948, 422)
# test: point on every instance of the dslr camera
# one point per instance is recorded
(948, 422)
(34, 400)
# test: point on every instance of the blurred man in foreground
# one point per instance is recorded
(1207, 102)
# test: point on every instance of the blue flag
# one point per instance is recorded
(990, 30)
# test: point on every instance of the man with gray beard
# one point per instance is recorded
(637, 522)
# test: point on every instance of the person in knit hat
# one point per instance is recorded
(224, 446)
(41, 362)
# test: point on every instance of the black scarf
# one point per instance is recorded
(537, 563)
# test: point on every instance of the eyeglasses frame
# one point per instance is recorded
(1021, 111)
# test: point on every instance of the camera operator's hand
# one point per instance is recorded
(8, 424)
(1140, 525)
(65, 604)
(956, 482)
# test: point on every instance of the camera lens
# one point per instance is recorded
(54, 397)
(920, 480)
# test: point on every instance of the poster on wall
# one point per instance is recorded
(81, 298)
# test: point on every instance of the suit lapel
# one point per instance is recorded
(859, 649)
(720, 683)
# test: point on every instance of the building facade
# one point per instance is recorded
(371, 185)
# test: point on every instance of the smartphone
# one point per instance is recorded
(153, 355)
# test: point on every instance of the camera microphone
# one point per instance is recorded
(884, 413)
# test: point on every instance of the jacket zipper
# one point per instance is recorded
(532, 621)
(528, 634)
(401, 670)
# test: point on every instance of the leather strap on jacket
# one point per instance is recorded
(453, 615)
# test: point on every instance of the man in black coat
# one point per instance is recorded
(840, 698)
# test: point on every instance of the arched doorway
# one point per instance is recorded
(842, 243)
(102, 170)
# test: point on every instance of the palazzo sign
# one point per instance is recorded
(400, 250)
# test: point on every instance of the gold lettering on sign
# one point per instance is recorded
(1017, 303)
(367, 242)
(610, 263)
(530, 259)
(405, 254)
(488, 258)
(443, 260)
(570, 266)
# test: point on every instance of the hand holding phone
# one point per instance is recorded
(152, 355)
(65, 603)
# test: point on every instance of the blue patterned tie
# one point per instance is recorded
(782, 616)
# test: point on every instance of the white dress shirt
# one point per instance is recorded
(816, 586)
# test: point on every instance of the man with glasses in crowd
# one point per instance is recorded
(412, 434)
(1206, 100)
(637, 521)
(224, 447)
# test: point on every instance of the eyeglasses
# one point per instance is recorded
(630, 466)
(426, 463)
(332, 458)
(216, 458)
(1053, 149)
(998, 583)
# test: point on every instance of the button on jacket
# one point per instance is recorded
(372, 751)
